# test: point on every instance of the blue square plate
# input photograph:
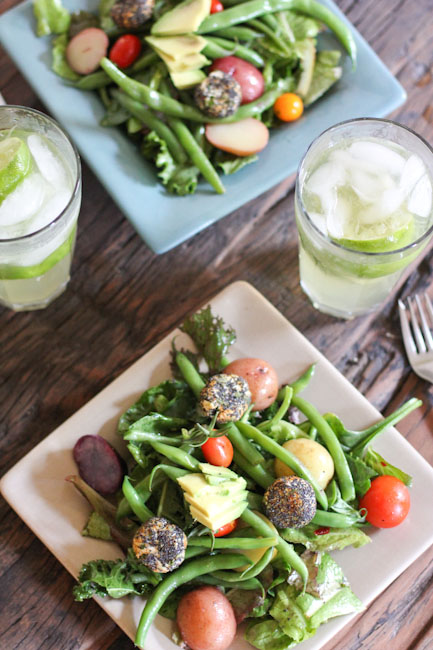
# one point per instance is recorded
(163, 220)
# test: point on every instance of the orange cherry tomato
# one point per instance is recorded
(218, 451)
(226, 529)
(289, 107)
(125, 50)
(216, 6)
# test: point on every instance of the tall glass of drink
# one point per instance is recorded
(363, 205)
(40, 196)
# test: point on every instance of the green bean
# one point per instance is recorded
(142, 488)
(244, 446)
(257, 472)
(241, 51)
(335, 519)
(285, 549)
(254, 8)
(331, 442)
(214, 51)
(152, 122)
(144, 61)
(93, 81)
(170, 471)
(285, 456)
(272, 22)
(247, 585)
(302, 382)
(137, 455)
(136, 503)
(193, 551)
(176, 455)
(250, 572)
(187, 572)
(233, 542)
(239, 32)
(151, 436)
(196, 154)
(190, 374)
(256, 108)
(155, 100)
(270, 33)
(287, 393)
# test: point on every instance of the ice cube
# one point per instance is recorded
(370, 187)
(326, 176)
(24, 201)
(389, 202)
(412, 172)
(338, 218)
(420, 199)
(51, 209)
(377, 156)
(49, 164)
(319, 220)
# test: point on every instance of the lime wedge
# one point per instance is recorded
(15, 163)
(392, 234)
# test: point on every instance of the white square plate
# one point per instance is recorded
(56, 513)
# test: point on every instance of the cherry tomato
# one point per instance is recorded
(216, 6)
(226, 529)
(125, 50)
(218, 451)
(288, 107)
(387, 502)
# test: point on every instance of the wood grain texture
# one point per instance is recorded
(121, 301)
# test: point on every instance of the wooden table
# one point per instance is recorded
(123, 298)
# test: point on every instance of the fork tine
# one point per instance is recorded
(408, 341)
(424, 325)
(429, 306)
(415, 327)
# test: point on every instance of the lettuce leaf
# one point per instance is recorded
(382, 467)
(326, 73)
(231, 164)
(362, 474)
(335, 540)
(51, 17)
(97, 528)
(178, 179)
(59, 63)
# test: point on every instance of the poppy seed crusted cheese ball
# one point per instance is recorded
(219, 95)
(227, 395)
(290, 502)
(160, 545)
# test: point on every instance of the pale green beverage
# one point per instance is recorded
(364, 211)
(40, 196)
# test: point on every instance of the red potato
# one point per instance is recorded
(86, 49)
(261, 378)
(246, 74)
(241, 138)
(206, 619)
(99, 464)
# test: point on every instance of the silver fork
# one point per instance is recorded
(416, 323)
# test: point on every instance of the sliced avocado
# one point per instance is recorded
(308, 58)
(213, 506)
(177, 47)
(215, 470)
(187, 78)
(184, 18)
(197, 486)
(223, 518)
(214, 480)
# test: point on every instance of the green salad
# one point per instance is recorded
(234, 493)
(197, 84)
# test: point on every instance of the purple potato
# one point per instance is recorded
(99, 464)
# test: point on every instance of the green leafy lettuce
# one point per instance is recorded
(335, 540)
(59, 63)
(179, 179)
(326, 72)
(51, 17)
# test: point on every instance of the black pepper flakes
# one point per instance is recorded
(160, 545)
(227, 395)
(290, 502)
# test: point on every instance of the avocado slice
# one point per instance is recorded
(184, 18)
(177, 47)
(187, 78)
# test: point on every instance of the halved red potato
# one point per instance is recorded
(86, 49)
(241, 138)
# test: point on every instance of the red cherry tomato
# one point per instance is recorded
(218, 451)
(387, 502)
(125, 50)
(226, 529)
(216, 6)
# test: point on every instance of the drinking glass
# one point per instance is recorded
(35, 265)
(338, 279)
